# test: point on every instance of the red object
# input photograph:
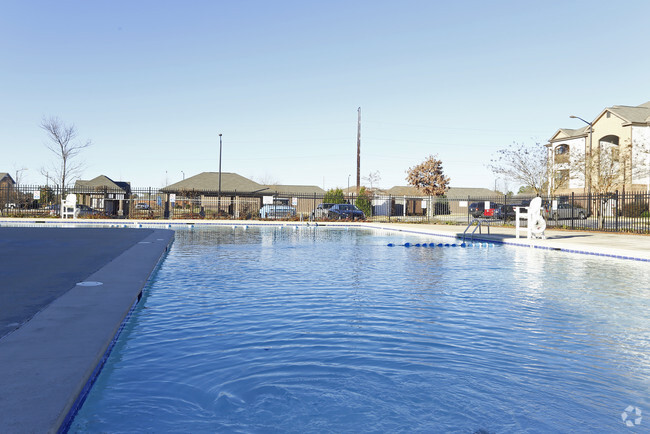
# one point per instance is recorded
(489, 212)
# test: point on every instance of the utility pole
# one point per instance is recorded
(219, 196)
(358, 149)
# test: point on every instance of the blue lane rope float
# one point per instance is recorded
(464, 245)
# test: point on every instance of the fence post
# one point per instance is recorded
(572, 201)
(617, 208)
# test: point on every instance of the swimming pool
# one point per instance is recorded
(329, 330)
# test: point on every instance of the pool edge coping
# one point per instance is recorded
(49, 362)
(65, 425)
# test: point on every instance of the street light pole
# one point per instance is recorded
(183, 175)
(587, 161)
(348, 184)
(219, 197)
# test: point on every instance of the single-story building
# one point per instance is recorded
(409, 201)
(104, 194)
(238, 197)
(7, 193)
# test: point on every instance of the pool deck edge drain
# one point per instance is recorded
(47, 363)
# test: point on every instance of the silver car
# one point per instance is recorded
(567, 211)
(321, 211)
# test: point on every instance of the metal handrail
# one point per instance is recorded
(478, 226)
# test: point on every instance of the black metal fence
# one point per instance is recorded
(612, 212)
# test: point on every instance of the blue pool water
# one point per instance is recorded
(330, 330)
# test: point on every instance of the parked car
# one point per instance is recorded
(321, 210)
(142, 205)
(345, 211)
(277, 211)
(85, 210)
(477, 209)
(505, 212)
(567, 211)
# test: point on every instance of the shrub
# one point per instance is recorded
(363, 202)
(334, 195)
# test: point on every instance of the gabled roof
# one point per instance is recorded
(353, 190)
(298, 189)
(566, 133)
(639, 114)
(4, 175)
(452, 192)
(464, 192)
(403, 190)
(633, 115)
(102, 181)
(209, 182)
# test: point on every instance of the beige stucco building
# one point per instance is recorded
(615, 145)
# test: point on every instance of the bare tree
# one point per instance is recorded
(373, 177)
(265, 179)
(428, 177)
(527, 165)
(61, 141)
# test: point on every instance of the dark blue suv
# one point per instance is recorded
(345, 211)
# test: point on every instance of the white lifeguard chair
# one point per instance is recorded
(69, 206)
(535, 225)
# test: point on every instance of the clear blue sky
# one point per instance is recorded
(153, 83)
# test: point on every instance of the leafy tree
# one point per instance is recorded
(428, 177)
(526, 189)
(364, 203)
(62, 143)
(334, 195)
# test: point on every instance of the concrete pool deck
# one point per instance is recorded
(54, 333)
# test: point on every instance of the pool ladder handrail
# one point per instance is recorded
(478, 226)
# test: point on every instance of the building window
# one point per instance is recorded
(562, 154)
(609, 140)
(609, 146)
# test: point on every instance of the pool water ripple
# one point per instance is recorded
(276, 330)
